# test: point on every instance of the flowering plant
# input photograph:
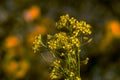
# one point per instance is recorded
(65, 46)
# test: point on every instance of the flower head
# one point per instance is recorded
(65, 45)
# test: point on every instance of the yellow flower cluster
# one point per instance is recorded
(54, 73)
(58, 40)
(56, 63)
(66, 47)
(62, 40)
(67, 44)
(37, 43)
(73, 26)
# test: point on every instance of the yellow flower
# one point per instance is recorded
(77, 78)
(53, 76)
(71, 74)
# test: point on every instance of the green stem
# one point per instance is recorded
(78, 64)
(44, 45)
(69, 60)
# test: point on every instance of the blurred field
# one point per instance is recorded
(22, 20)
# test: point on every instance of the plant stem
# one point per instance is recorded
(78, 63)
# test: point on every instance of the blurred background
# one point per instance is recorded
(22, 20)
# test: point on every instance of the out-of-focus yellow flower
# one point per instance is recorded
(15, 65)
(23, 68)
(12, 67)
(112, 32)
(46, 21)
(41, 29)
(113, 27)
(71, 74)
(16, 69)
(32, 13)
(11, 41)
